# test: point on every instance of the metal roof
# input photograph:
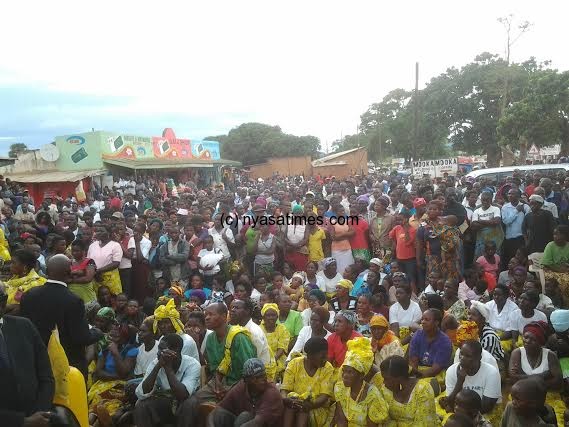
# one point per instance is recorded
(325, 160)
(56, 176)
(168, 164)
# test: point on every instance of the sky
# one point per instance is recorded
(203, 68)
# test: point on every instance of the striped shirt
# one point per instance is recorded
(491, 343)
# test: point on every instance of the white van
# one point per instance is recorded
(498, 174)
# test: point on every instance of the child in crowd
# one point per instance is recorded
(209, 259)
(295, 288)
(162, 286)
(197, 282)
(121, 303)
(527, 407)
(469, 403)
(490, 261)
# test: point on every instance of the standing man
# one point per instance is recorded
(26, 381)
(54, 305)
(174, 258)
(513, 214)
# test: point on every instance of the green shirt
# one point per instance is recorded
(555, 255)
(293, 323)
(242, 349)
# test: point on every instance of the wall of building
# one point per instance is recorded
(356, 164)
(286, 166)
(28, 162)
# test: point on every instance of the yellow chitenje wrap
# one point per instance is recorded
(225, 363)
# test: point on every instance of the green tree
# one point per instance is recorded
(252, 143)
(16, 149)
(541, 116)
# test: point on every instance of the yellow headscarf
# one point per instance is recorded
(270, 306)
(359, 355)
(168, 311)
(236, 267)
(388, 336)
(467, 330)
(379, 320)
(345, 283)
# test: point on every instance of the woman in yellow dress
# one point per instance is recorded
(24, 278)
(114, 366)
(277, 335)
(358, 403)
(308, 386)
(411, 401)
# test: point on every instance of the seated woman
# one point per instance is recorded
(83, 271)
(500, 309)
(545, 304)
(555, 259)
(358, 403)
(559, 341)
(384, 343)
(24, 278)
(524, 315)
(449, 325)
(115, 365)
(534, 359)
(364, 313)
(344, 324)
(452, 303)
(507, 276)
(320, 317)
(343, 300)
(308, 386)
(411, 401)
(430, 350)
(553, 291)
(404, 315)
(317, 298)
(277, 335)
(490, 341)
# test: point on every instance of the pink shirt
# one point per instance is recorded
(103, 256)
(490, 268)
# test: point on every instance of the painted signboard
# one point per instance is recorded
(435, 168)
(167, 146)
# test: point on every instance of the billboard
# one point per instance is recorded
(435, 168)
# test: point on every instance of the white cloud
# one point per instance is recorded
(311, 67)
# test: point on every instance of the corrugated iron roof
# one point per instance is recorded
(56, 176)
(325, 160)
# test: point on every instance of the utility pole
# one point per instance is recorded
(416, 118)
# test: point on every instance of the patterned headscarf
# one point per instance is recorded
(106, 313)
(349, 315)
(168, 311)
(176, 289)
(235, 267)
(359, 355)
(253, 368)
(329, 261)
(270, 306)
(467, 330)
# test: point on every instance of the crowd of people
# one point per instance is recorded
(442, 302)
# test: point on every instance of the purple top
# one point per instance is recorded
(436, 352)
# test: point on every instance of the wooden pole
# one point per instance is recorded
(416, 118)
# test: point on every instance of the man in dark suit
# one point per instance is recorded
(26, 380)
(54, 305)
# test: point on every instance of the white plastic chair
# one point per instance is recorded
(537, 268)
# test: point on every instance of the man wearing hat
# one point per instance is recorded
(252, 402)
(537, 225)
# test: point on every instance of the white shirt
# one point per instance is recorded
(328, 285)
(551, 207)
(405, 317)
(219, 242)
(189, 374)
(544, 303)
(486, 357)
(486, 215)
(260, 342)
(486, 382)
(307, 313)
(145, 246)
(518, 321)
(304, 335)
(144, 358)
(500, 321)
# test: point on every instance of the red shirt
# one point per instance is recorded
(490, 280)
(337, 349)
(405, 248)
(359, 239)
(530, 189)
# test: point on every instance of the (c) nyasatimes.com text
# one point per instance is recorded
(290, 220)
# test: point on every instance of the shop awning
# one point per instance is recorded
(169, 164)
(55, 176)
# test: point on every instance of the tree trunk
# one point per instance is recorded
(564, 138)
(493, 156)
(523, 143)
